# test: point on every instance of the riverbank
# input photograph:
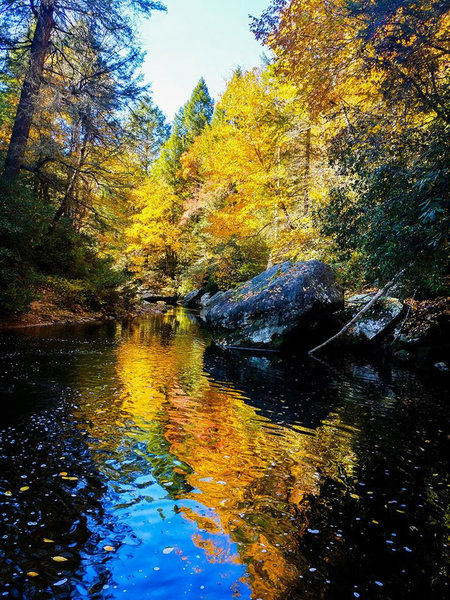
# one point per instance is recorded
(301, 308)
(418, 337)
(48, 310)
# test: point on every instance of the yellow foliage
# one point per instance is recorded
(154, 229)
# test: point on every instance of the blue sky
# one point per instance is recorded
(197, 38)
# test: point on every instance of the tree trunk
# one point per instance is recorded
(306, 170)
(29, 93)
(69, 202)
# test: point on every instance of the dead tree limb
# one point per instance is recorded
(364, 309)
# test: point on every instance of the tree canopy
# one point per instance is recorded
(337, 148)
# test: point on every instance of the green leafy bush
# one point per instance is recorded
(20, 227)
(392, 210)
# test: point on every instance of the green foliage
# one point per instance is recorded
(197, 113)
(189, 122)
(391, 209)
(148, 132)
(104, 290)
(20, 228)
(224, 264)
(79, 273)
(64, 259)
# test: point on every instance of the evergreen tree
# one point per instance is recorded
(50, 21)
(189, 123)
(148, 131)
(197, 113)
(170, 162)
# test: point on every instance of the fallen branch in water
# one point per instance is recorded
(364, 309)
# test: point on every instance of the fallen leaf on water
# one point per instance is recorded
(168, 550)
(59, 558)
(63, 473)
(48, 541)
(109, 548)
(70, 478)
(355, 496)
(32, 574)
(24, 488)
(8, 493)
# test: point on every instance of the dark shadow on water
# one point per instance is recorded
(377, 528)
(285, 391)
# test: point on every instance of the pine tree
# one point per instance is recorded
(189, 123)
(148, 132)
(50, 19)
(198, 111)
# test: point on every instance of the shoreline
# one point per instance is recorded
(427, 354)
(34, 318)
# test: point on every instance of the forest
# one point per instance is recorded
(335, 148)
(224, 338)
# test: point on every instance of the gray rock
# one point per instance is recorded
(192, 300)
(264, 311)
(205, 299)
(441, 366)
(376, 322)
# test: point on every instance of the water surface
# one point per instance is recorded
(152, 466)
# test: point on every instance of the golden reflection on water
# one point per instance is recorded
(254, 475)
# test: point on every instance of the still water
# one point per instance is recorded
(138, 462)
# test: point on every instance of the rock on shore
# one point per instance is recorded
(265, 311)
(376, 323)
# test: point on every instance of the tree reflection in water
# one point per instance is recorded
(211, 474)
(254, 475)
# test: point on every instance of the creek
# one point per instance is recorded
(137, 461)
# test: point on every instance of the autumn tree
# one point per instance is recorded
(154, 235)
(377, 73)
(69, 73)
(249, 174)
(55, 26)
(189, 122)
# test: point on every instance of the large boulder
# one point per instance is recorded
(196, 299)
(376, 322)
(267, 310)
(192, 300)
